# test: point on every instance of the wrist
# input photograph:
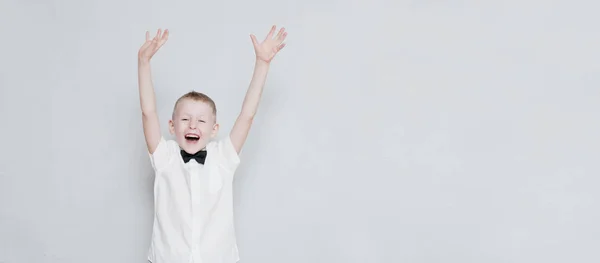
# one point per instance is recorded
(143, 61)
(261, 63)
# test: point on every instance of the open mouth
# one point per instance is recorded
(192, 137)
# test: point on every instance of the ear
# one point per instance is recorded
(171, 127)
(215, 130)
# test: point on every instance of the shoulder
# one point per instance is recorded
(167, 145)
(172, 145)
(224, 152)
(164, 153)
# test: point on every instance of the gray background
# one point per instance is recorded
(389, 131)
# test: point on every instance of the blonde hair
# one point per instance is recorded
(197, 96)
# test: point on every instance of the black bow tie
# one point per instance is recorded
(199, 156)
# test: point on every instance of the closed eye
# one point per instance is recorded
(184, 119)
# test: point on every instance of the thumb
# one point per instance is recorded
(254, 41)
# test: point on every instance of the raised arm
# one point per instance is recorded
(265, 52)
(146, 88)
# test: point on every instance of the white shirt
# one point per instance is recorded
(193, 205)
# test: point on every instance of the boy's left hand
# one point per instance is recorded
(267, 50)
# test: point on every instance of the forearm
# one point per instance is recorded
(146, 88)
(255, 89)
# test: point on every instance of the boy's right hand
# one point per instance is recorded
(152, 45)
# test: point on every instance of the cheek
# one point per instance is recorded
(179, 127)
(207, 128)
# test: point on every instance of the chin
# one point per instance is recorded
(192, 147)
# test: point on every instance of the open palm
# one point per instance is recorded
(267, 50)
(151, 46)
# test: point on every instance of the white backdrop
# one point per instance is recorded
(389, 131)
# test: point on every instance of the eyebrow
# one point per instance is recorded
(189, 115)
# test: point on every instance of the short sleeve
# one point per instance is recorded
(229, 158)
(162, 155)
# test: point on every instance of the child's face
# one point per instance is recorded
(193, 125)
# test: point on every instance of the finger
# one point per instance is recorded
(254, 41)
(280, 33)
(156, 41)
(280, 47)
(270, 35)
(148, 41)
(282, 38)
(154, 38)
(157, 36)
(166, 35)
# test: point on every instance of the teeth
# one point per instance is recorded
(192, 136)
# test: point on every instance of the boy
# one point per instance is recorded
(193, 217)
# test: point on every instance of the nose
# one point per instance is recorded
(193, 124)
